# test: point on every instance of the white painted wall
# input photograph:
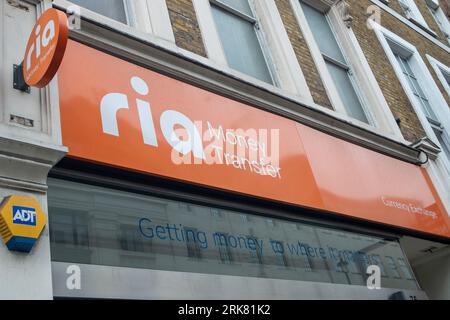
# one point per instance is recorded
(27, 153)
(26, 276)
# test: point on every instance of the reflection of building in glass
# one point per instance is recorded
(121, 229)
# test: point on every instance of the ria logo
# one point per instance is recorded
(24, 215)
(115, 101)
(42, 40)
(45, 48)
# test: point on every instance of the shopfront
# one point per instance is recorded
(173, 191)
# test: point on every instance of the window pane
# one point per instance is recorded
(392, 267)
(444, 144)
(239, 5)
(418, 88)
(428, 109)
(400, 62)
(114, 9)
(347, 91)
(447, 77)
(404, 268)
(323, 34)
(124, 229)
(241, 45)
(415, 87)
(408, 67)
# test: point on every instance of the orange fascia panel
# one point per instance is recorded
(116, 113)
(362, 183)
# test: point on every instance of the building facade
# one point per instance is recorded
(232, 149)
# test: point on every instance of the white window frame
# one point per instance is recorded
(275, 44)
(413, 13)
(440, 69)
(374, 103)
(439, 167)
(261, 39)
(440, 17)
(148, 16)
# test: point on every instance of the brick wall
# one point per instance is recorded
(395, 5)
(383, 71)
(445, 4)
(303, 54)
(422, 5)
(185, 26)
(430, 20)
(188, 36)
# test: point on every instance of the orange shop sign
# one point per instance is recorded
(116, 113)
(45, 48)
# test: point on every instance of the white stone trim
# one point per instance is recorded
(26, 155)
(210, 35)
(436, 10)
(289, 72)
(438, 68)
(149, 16)
(327, 81)
(159, 18)
(438, 169)
(374, 104)
(377, 106)
(414, 12)
(395, 14)
(273, 39)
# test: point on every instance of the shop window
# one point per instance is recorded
(193, 243)
(130, 239)
(225, 254)
(378, 262)
(281, 256)
(336, 63)
(405, 269)
(106, 227)
(238, 31)
(390, 262)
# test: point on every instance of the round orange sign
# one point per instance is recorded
(45, 48)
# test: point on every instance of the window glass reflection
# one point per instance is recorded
(93, 225)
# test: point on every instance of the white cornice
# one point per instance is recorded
(25, 164)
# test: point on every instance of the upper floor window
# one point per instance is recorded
(238, 31)
(440, 17)
(423, 99)
(337, 64)
(147, 16)
(118, 10)
(443, 74)
(412, 12)
(415, 87)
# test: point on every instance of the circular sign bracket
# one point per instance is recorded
(18, 79)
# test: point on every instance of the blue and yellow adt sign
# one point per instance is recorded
(21, 222)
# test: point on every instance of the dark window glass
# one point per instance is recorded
(101, 226)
